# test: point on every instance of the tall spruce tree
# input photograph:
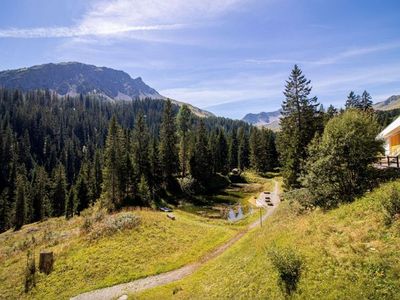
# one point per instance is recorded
(168, 152)
(200, 161)
(98, 175)
(365, 101)
(299, 124)
(70, 204)
(59, 191)
(41, 204)
(141, 147)
(184, 124)
(243, 149)
(353, 101)
(113, 167)
(233, 151)
(21, 200)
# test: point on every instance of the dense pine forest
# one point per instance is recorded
(60, 154)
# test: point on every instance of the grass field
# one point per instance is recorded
(157, 245)
(347, 253)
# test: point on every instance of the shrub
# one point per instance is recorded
(300, 200)
(30, 272)
(339, 165)
(289, 266)
(113, 224)
(94, 214)
(188, 185)
(391, 206)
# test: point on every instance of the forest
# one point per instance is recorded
(60, 154)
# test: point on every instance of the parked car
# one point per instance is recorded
(165, 209)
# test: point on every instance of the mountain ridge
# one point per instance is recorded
(390, 103)
(74, 78)
(264, 119)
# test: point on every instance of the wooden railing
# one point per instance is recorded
(388, 161)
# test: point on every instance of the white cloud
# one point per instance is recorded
(119, 17)
(329, 60)
(209, 93)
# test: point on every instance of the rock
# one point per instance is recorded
(171, 216)
(46, 261)
(123, 297)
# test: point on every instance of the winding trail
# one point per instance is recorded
(116, 291)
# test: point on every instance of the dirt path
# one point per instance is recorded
(115, 291)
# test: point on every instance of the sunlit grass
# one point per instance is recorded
(157, 245)
(348, 253)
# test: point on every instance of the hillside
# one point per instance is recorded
(96, 250)
(393, 102)
(264, 119)
(74, 78)
(347, 253)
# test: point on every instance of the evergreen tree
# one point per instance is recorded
(353, 101)
(168, 150)
(141, 147)
(81, 193)
(243, 149)
(113, 164)
(70, 204)
(330, 113)
(40, 195)
(200, 160)
(299, 123)
(144, 191)
(20, 200)
(254, 144)
(233, 151)
(155, 179)
(183, 121)
(59, 191)
(366, 101)
(98, 175)
(5, 210)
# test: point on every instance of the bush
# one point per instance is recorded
(94, 214)
(300, 200)
(113, 224)
(289, 266)
(188, 185)
(391, 206)
(339, 167)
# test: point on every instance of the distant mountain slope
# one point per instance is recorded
(264, 119)
(392, 102)
(74, 78)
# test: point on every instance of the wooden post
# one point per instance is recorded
(397, 161)
(388, 161)
(46, 261)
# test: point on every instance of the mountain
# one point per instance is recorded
(264, 119)
(392, 102)
(74, 78)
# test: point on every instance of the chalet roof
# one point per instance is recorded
(392, 128)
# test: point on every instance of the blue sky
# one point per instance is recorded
(231, 57)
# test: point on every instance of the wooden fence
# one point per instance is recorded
(388, 161)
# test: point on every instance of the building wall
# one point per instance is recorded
(395, 144)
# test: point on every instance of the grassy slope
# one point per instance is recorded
(157, 246)
(348, 253)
